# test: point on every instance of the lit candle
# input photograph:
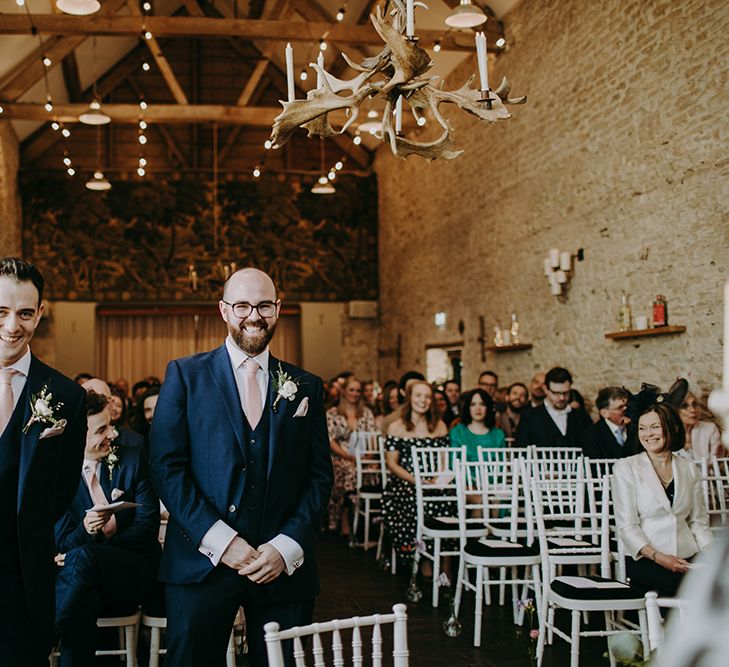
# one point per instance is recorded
(410, 19)
(565, 261)
(398, 115)
(320, 62)
(194, 280)
(554, 257)
(483, 68)
(290, 71)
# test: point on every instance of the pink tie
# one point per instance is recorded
(7, 403)
(97, 495)
(252, 404)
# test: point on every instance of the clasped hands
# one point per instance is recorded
(95, 520)
(261, 566)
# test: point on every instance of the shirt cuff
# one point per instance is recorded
(216, 541)
(290, 551)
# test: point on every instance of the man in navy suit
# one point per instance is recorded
(41, 448)
(607, 437)
(240, 458)
(554, 423)
(108, 561)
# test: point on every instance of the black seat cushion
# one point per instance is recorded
(564, 588)
(491, 550)
(434, 523)
(371, 488)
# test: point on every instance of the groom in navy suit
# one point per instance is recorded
(240, 458)
(41, 448)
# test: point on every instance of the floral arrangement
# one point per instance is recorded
(42, 410)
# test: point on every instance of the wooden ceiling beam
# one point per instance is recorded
(71, 77)
(160, 60)
(30, 70)
(193, 26)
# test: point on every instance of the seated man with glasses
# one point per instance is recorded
(554, 423)
(607, 437)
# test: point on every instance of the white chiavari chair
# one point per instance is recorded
(595, 470)
(482, 506)
(371, 475)
(653, 606)
(400, 655)
(554, 463)
(579, 594)
(715, 485)
(436, 501)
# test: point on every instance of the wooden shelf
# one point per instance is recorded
(518, 347)
(645, 333)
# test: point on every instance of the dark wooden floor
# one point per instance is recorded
(352, 585)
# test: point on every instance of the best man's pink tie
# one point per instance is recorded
(97, 495)
(7, 403)
(252, 404)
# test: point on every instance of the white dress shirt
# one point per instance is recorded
(220, 535)
(559, 417)
(18, 380)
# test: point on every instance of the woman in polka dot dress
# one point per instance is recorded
(419, 426)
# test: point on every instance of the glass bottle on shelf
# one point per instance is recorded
(660, 311)
(624, 314)
(514, 330)
(498, 336)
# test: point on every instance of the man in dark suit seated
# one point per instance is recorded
(606, 438)
(125, 436)
(555, 423)
(108, 561)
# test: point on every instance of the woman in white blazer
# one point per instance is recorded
(659, 506)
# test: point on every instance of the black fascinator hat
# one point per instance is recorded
(648, 395)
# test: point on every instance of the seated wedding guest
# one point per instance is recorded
(405, 381)
(453, 392)
(516, 398)
(117, 407)
(350, 415)
(607, 437)
(659, 505)
(489, 382)
(82, 377)
(136, 415)
(389, 397)
(537, 391)
(477, 427)
(443, 407)
(369, 395)
(555, 423)
(125, 436)
(107, 561)
(418, 426)
(703, 440)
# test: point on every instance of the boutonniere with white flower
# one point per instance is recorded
(112, 458)
(42, 409)
(284, 386)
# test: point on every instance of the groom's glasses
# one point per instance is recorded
(242, 309)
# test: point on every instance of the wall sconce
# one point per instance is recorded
(558, 270)
(440, 320)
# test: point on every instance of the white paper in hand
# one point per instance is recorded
(114, 507)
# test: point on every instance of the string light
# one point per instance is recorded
(147, 7)
(67, 161)
(142, 105)
(66, 132)
(267, 144)
(142, 162)
(141, 171)
(1, 109)
(142, 139)
(322, 45)
(49, 105)
(70, 171)
(145, 66)
(340, 13)
(303, 76)
(500, 42)
(47, 61)
(332, 175)
(147, 35)
(436, 46)
(339, 165)
(357, 140)
(143, 125)
(55, 126)
(256, 172)
(421, 121)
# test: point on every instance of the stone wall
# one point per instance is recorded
(621, 150)
(9, 201)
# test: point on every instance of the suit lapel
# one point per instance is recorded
(650, 477)
(277, 419)
(37, 377)
(222, 374)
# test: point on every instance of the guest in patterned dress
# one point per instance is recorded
(419, 426)
(349, 415)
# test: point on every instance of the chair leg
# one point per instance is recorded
(393, 561)
(540, 642)
(436, 570)
(378, 555)
(459, 585)
(643, 622)
(550, 625)
(575, 638)
(129, 646)
(367, 524)
(608, 628)
(478, 611)
(154, 646)
(487, 592)
(355, 519)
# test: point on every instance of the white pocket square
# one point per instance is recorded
(116, 494)
(53, 431)
(303, 407)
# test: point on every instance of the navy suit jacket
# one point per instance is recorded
(198, 466)
(536, 427)
(49, 474)
(137, 529)
(598, 442)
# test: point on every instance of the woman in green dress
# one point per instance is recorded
(476, 428)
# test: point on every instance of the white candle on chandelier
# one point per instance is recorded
(398, 115)
(319, 77)
(290, 71)
(565, 261)
(410, 19)
(483, 69)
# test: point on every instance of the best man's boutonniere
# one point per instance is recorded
(285, 387)
(42, 411)
(112, 458)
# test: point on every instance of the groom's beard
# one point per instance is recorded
(253, 343)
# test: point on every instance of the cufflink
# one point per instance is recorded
(209, 554)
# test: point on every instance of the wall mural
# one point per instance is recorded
(138, 240)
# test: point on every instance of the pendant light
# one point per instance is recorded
(99, 181)
(466, 15)
(94, 116)
(323, 186)
(78, 7)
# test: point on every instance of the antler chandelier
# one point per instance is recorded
(395, 74)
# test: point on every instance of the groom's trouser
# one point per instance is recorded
(200, 617)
